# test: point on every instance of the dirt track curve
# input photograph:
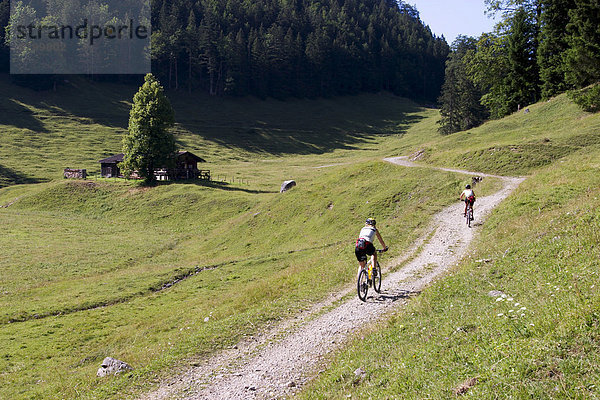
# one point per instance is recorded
(278, 362)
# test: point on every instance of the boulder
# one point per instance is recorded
(287, 185)
(112, 366)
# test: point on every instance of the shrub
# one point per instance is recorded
(587, 98)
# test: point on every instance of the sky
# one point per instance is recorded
(454, 17)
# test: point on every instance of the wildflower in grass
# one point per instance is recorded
(499, 299)
(500, 315)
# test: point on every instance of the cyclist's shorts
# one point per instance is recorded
(363, 249)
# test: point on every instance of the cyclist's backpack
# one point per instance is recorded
(471, 199)
(361, 244)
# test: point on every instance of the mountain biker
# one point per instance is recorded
(364, 244)
(468, 195)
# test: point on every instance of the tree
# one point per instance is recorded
(504, 66)
(583, 56)
(553, 45)
(4, 51)
(522, 81)
(148, 143)
(460, 99)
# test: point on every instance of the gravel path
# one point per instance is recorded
(279, 361)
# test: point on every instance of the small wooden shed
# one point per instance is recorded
(186, 167)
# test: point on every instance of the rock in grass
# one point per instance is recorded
(287, 185)
(112, 366)
(465, 386)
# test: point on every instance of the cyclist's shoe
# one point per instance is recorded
(369, 282)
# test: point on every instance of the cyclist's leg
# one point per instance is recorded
(361, 265)
(361, 256)
(370, 250)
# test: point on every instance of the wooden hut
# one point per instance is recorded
(186, 167)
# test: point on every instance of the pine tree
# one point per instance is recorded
(460, 99)
(583, 56)
(148, 143)
(553, 46)
(521, 83)
(4, 50)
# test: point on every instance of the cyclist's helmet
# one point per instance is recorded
(371, 221)
(468, 186)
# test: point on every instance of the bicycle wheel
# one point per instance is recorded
(377, 278)
(469, 216)
(362, 285)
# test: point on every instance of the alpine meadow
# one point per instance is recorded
(191, 232)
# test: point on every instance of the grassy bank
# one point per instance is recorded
(520, 317)
(519, 144)
(89, 268)
(161, 277)
(83, 122)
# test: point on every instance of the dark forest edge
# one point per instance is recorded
(540, 48)
(284, 48)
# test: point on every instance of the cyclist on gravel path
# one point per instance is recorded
(364, 244)
(468, 195)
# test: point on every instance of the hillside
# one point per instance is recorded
(519, 317)
(106, 268)
(82, 123)
(163, 277)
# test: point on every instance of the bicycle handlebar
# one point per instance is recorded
(382, 250)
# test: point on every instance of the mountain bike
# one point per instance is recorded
(369, 276)
(469, 214)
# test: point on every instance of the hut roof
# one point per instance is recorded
(113, 159)
(119, 157)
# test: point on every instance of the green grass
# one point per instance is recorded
(114, 246)
(539, 341)
(88, 266)
(516, 145)
(82, 123)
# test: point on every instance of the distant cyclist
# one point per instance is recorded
(364, 244)
(468, 196)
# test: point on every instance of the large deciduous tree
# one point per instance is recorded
(148, 143)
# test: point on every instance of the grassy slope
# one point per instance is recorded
(541, 248)
(95, 249)
(82, 123)
(86, 266)
(517, 144)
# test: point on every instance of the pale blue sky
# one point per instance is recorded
(454, 17)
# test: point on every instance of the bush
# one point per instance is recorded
(587, 98)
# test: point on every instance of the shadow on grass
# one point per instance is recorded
(76, 97)
(270, 127)
(14, 114)
(10, 177)
(216, 185)
(279, 138)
